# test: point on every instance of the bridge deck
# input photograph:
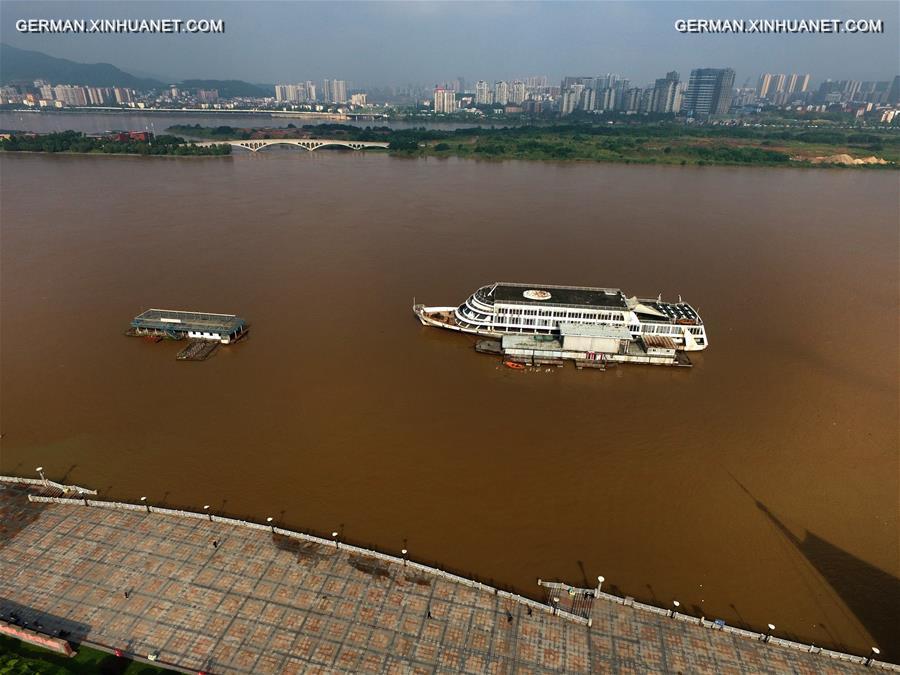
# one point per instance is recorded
(307, 143)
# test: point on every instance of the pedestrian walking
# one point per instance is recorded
(215, 544)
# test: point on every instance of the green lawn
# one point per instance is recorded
(19, 658)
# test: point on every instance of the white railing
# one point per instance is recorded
(45, 482)
(409, 564)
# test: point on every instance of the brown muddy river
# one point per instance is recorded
(759, 486)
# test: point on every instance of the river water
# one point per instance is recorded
(760, 486)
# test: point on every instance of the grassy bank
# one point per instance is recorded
(663, 143)
(19, 658)
(78, 143)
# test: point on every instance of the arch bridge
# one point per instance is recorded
(307, 143)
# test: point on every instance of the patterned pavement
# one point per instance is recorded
(257, 602)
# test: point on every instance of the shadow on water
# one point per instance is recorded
(872, 594)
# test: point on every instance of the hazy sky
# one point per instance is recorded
(428, 42)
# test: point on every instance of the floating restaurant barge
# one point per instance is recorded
(177, 324)
(591, 326)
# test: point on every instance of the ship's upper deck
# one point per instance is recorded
(673, 312)
(572, 296)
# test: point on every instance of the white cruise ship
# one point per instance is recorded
(502, 308)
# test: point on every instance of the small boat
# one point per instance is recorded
(514, 365)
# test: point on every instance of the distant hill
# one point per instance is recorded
(22, 64)
(230, 88)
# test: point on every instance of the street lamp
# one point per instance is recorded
(600, 581)
(269, 521)
(334, 536)
(206, 509)
(144, 502)
(404, 552)
(875, 653)
(771, 627)
(40, 471)
(676, 604)
(556, 606)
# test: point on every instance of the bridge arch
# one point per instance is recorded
(309, 144)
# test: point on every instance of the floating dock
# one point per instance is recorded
(203, 330)
(588, 346)
(177, 324)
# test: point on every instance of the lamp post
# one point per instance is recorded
(269, 521)
(875, 653)
(146, 505)
(674, 611)
(334, 536)
(556, 606)
(771, 627)
(600, 581)
(404, 552)
(206, 511)
(40, 471)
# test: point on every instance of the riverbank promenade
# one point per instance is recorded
(220, 597)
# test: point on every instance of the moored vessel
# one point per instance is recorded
(503, 308)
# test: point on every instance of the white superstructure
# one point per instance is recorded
(503, 308)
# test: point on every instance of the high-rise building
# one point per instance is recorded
(517, 95)
(207, 95)
(772, 84)
(631, 100)
(444, 100)
(483, 93)
(96, 96)
(501, 93)
(358, 99)
(893, 94)
(310, 90)
(339, 91)
(572, 98)
(778, 82)
(667, 93)
(708, 92)
(70, 95)
(327, 95)
(122, 95)
(791, 84)
(281, 93)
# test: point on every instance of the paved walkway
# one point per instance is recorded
(262, 603)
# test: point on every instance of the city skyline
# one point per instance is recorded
(636, 38)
